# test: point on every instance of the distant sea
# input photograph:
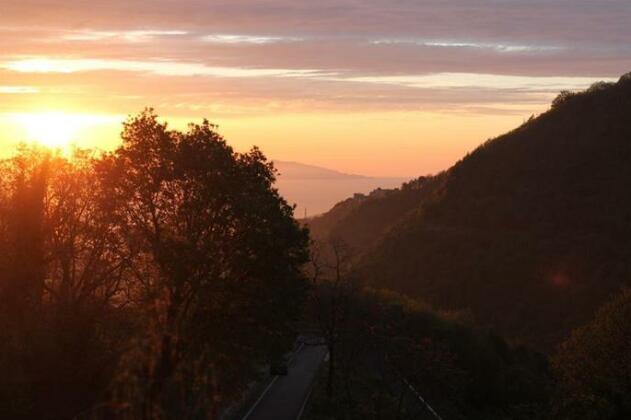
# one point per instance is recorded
(317, 196)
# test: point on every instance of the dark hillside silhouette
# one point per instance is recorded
(530, 231)
(363, 219)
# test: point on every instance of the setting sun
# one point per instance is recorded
(55, 130)
(60, 130)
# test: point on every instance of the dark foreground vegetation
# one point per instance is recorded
(392, 357)
(385, 350)
(143, 284)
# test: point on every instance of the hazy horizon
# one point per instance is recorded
(315, 190)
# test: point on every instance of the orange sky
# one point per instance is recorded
(370, 87)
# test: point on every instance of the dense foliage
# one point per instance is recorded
(149, 282)
(594, 366)
(389, 350)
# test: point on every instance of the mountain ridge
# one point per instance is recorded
(528, 232)
(298, 170)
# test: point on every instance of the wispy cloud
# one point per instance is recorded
(247, 39)
(126, 36)
(18, 90)
(159, 67)
(371, 54)
(483, 81)
(502, 47)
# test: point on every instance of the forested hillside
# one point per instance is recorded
(361, 221)
(530, 232)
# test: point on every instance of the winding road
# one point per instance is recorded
(286, 396)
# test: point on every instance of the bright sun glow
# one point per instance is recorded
(51, 129)
(58, 130)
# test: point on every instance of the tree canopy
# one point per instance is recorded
(593, 365)
(149, 282)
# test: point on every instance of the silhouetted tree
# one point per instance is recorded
(219, 263)
(22, 273)
(334, 288)
(60, 287)
(151, 282)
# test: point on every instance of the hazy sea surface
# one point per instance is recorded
(317, 196)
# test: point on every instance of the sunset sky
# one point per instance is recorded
(382, 88)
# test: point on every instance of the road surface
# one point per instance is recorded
(287, 395)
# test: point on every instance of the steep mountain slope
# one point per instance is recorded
(361, 221)
(532, 231)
